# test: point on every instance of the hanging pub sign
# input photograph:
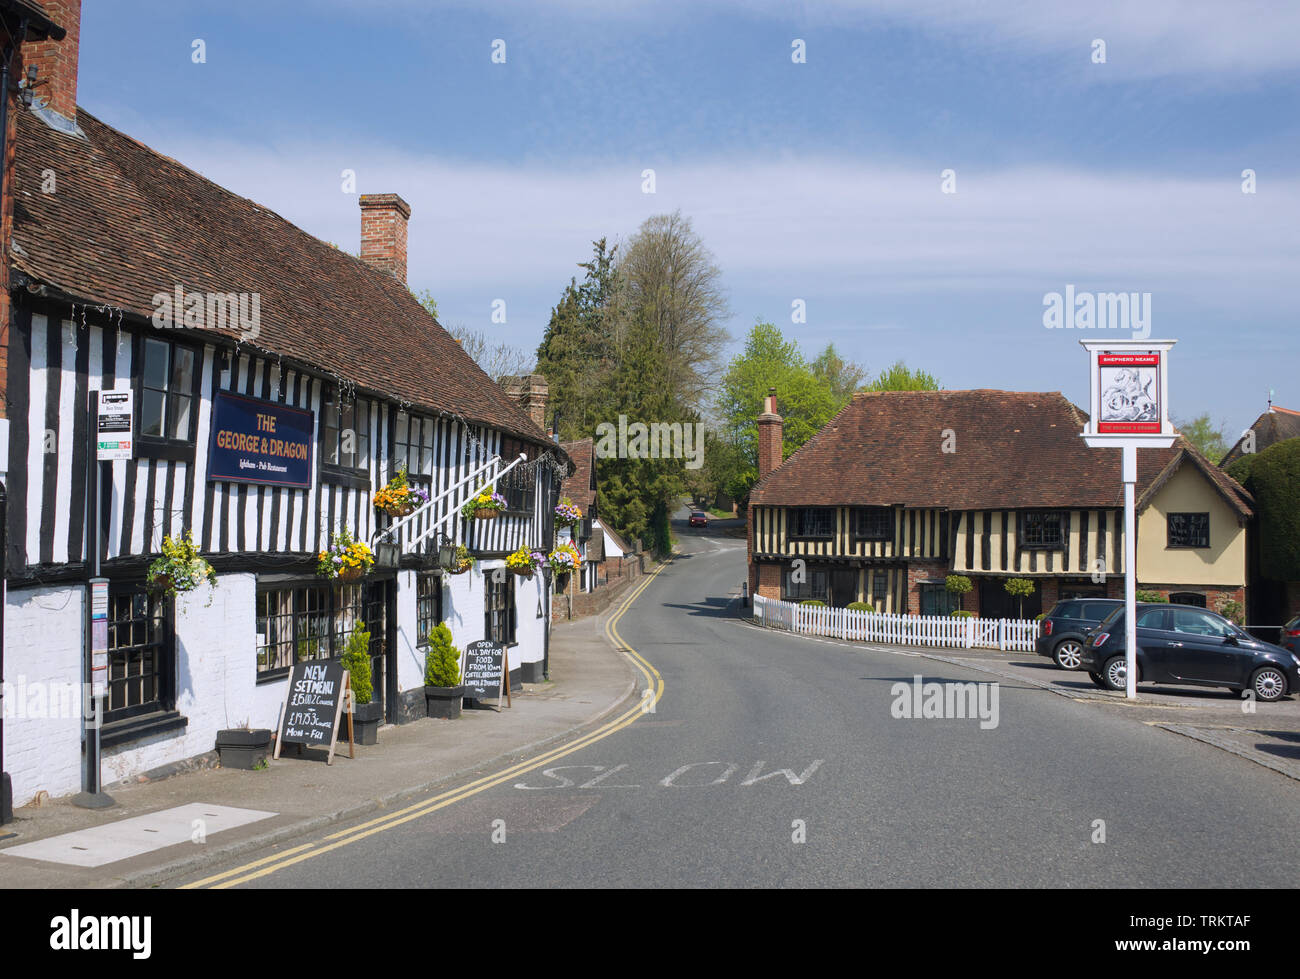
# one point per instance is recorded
(256, 441)
(1129, 390)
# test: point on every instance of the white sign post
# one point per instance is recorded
(1129, 385)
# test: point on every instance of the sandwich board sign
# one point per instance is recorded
(486, 671)
(313, 704)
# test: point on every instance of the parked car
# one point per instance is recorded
(1062, 631)
(1187, 645)
(699, 518)
(1290, 640)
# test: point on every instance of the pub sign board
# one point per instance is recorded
(256, 441)
(1129, 388)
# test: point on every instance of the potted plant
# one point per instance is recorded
(567, 513)
(464, 561)
(347, 558)
(564, 559)
(483, 505)
(243, 747)
(443, 693)
(398, 498)
(366, 716)
(180, 569)
(524, 562)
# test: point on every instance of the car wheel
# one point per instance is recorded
(1115, 673)
(1269, 684)
(1068, 654)
(1099, 680)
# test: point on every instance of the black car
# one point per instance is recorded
(1062, 631)
(1187, 645)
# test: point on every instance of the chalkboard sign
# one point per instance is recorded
(315, 699)
(486, 667)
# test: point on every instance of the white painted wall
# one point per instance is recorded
(43, 633)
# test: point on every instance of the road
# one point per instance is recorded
(694, 794)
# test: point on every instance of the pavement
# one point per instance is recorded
(589, 681)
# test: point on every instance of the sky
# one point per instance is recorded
(918, 182)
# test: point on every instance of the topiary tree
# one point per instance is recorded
(356, 660)
(1019, 588)
(959, 585)
(442, 661)
(859, 607)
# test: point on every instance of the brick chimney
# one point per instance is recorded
(529, 391)
(56, 61)
(383, 232)
(770, 432)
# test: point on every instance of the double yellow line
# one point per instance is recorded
(287, 858)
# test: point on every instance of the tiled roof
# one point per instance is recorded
(127, 223)
(1010, 449)
(577, 487)
(1276, 425)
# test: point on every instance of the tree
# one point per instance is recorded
(498, 360)
(806, 402)
(1273, 478)
(1020, 588)
(1210, 441)
(841, 376)
(899, 377)
(670, 283)
(959, 585)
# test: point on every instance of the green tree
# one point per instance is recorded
(1020, 588)
(842, 377)
(1273, 478)
(899, 377)
(1210, 441)
(442, 661)
(959, 585)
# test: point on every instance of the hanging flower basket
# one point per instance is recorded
(180, 569)
(464, 561)
(399, 498)
(483, 505)
(567, 513)
(346, 559)
(524, 562)
(564, 559)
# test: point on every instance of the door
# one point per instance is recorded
(378, 603)
(844, 587)
(1205, 656)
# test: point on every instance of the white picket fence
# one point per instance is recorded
(912, 630)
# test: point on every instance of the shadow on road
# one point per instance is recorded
(717, 608)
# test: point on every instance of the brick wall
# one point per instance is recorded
(383, 232)
(1215, 595)
(57, 60)
(768, 583)
(918, 572)
(616, 576)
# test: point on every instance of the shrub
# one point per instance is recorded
(817, 602)
(860, 607)
(1232, 611)
(958, 613)
(442, 661)
(1273, 476)
(1149, 596)
(356, 660)
(1040, 616)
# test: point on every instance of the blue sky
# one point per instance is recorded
(817, 181)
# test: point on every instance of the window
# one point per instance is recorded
(879, 589)
(413, 446)
(499, 608)
(1041, 528)
(1150, 618)
(166, 391)
(298, 622)
(816, 522)
(936, 599)
(139, 656)
(345, 432)
(428, 605)
(1187, 598)
(814, 584)
(518, 485)
(1095, 611)
(1068, 610)
(1200, 624)
(1189, 529)
(873, 523)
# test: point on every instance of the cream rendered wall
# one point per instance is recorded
(1222, 563)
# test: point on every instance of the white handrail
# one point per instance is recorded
(415, 515)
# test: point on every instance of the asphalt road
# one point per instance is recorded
(694, 793)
